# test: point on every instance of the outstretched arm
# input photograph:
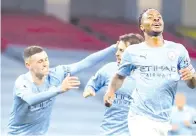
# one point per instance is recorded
(61, 71)
(92, 59)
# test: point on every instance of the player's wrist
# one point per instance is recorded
(91, 89)
(60, 90)
(55, 89)
(111, 91)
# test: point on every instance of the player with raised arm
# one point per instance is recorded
(34, 92)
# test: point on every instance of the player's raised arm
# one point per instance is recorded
(187, 71)
(92, 59)
(61, 71)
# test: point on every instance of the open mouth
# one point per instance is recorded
(118, 60)
(156, 24)
(45, 69)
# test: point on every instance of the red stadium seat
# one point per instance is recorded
(47, 32)
(3, 44)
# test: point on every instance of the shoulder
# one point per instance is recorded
(109, 67)
(60, 71)
(23, 79)
(190, 109)
(134, 49)
(57, 74)
(135, 46)
(177, 46)
(106, 70)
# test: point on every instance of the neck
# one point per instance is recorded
(38, 80)
(154, 41)
(180, 108)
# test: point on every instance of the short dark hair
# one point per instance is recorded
(124, 38)
(31, 50)
(141, 15)
(131, 38)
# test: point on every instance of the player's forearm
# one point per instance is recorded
(93, 85)
(33, 99)
(90, 88)
(116, 83)
(93, 59)
(192, 82)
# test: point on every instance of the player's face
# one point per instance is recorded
(39, 64)
(180, 100)
(152, 22)
(120, 49)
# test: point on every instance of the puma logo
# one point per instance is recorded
(143, 56)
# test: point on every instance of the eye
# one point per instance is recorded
(149, 17)
(40, 61)
(121, 50)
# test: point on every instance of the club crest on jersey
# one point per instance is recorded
(171, 55)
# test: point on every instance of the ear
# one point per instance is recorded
(142, 28)
(27, 64)
(127, 43)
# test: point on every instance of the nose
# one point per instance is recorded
(45, 63)
(117, 54)
(156, 19)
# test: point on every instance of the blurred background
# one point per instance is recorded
(70, 30)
